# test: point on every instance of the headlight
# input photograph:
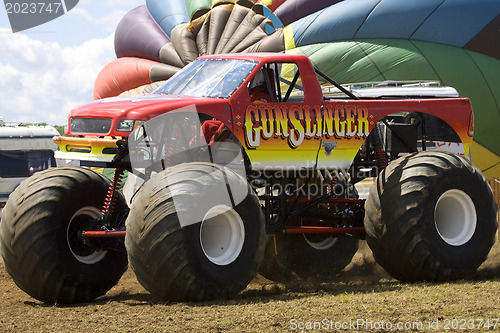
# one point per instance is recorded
(126, 125)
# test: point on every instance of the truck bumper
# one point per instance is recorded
(86, 149)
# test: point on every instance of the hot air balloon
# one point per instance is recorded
(153, 41)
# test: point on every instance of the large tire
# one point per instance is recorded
(430, 216)
(180, 261)
(320, 257)
(40, 244)
(306, 257)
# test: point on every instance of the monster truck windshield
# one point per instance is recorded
(217, 78)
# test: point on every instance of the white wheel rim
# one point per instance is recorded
(222, 235)
(95, 256)
(320, 242)
(322, 245)
(455, 217)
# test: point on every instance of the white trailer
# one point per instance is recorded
(24, 150)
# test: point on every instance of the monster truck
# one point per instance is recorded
(224, 182)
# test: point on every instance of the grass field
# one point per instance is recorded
(362, 298)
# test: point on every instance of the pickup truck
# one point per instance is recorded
(250, 163)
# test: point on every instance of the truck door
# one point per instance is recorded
(279, 120)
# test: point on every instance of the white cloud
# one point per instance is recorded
(107, 21)
(42, 81)
(101, 15)
(124, 3)
(47, 70)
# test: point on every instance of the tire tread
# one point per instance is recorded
(395, 215)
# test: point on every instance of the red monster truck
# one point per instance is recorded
(213, 169)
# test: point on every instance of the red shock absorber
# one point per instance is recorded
(378, 148)
(331, 187)
(381, 157)
(111, 197)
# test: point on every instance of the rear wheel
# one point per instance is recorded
(317, 256)
(430, 216)
(42, 244)
(195, 232)
(288, 256)
(307, 256)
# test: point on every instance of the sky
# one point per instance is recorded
(47, 70)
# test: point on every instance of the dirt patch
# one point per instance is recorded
(362, 298)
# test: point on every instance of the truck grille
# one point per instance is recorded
(90, 125)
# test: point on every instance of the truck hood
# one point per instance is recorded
(107, 113)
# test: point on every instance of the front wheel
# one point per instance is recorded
(42, 247)
(430, 216)
(195, 232)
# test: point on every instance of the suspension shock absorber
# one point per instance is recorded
(111, 196)
(332, 187)
(378, 148)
